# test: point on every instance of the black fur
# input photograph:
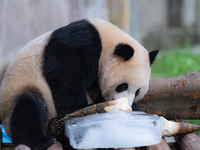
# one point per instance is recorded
(71, 62)
(122, 87)
(124, 50)
(95, 93)
(152, 56)
(137, 92)
(70, 66)
(28, 121)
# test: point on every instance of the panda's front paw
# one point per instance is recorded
(56, 127)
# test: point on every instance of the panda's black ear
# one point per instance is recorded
(152, 56)
(124, 50)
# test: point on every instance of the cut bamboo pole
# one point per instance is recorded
(171, 128)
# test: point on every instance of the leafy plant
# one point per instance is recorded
(175, 63)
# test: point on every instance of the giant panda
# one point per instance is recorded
(61, 71)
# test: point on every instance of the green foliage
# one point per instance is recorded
(175, 63)
(195, 122)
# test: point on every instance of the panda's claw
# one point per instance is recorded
(56, 127)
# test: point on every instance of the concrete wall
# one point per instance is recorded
(144, 18)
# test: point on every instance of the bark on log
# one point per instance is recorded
(162, 145)
(173, 98)
(189, 141)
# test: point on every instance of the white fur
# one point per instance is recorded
(25, 71)
(113, 70)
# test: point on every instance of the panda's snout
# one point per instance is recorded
(131, 98)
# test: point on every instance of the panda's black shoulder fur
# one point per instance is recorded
(70, 64)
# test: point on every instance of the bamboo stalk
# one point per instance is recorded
(171, 128)
(109, 106)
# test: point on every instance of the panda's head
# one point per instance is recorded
(124, 65)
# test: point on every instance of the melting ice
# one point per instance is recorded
(114, 130)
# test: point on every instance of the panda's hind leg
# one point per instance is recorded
(28, 121)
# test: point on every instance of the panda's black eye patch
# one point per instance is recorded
(137, 92)
(124, 50)
(122, 87)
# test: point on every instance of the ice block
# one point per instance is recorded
(114, 130)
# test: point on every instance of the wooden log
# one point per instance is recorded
(7, 146)
(174, 146)
(189, 141)
(173, 98)
(161, 146)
